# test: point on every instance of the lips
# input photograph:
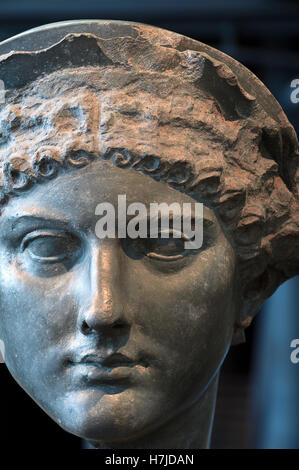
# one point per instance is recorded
(114, 360)
(106, 362)
(115, 369)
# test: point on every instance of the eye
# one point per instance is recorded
(167, 249)
(51, 247)
(159, 248)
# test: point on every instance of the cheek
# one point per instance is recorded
(37, 316)
(190, 314)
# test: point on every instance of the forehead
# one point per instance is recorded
(73, 196)
(148, 114)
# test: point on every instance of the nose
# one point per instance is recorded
(102, 308)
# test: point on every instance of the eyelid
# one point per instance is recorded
(179, 256)
(39, 234)
(165, 257)
(162, 257)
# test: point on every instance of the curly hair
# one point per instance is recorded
(178, 111)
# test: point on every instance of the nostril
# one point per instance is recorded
(85, 327)
(88, 327)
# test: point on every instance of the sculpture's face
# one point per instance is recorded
(109, 341)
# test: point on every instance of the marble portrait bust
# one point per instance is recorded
(121, 341)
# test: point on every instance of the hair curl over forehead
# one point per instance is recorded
(173, 113)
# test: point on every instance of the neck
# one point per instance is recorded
(191, 429)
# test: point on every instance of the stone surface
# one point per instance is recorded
(95, 108)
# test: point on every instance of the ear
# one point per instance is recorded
(255, 293)
(239, 331)
(249, 303)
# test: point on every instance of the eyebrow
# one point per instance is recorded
(205, 217)
(36, 220)
(207, 222)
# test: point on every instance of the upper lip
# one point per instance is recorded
(113, 360)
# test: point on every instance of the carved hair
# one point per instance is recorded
(177, 114)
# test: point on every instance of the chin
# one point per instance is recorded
(102, 427)
(106, 418)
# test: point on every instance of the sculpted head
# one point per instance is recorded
(90, 119)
